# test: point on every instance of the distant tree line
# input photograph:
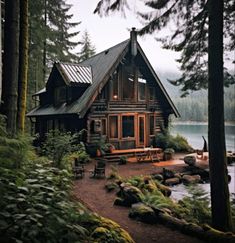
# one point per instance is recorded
(195, 107)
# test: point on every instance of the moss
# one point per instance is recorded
(109, 231)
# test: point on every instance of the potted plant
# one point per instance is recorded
(123, 160)
(168, 154)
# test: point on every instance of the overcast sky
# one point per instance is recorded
(108, 31)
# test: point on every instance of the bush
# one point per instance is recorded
(178, 143)
(36, 206)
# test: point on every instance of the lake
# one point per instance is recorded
(193, 133)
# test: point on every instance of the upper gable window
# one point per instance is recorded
(141, 87)
(128, 83)
(60, 95)
(152, 93)
(114, 82)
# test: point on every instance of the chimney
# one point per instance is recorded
(133, 42)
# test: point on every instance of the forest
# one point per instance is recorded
(197, 100)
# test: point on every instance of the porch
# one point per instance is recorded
(147, 154)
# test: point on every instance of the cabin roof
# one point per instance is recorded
(96, 71)
(75, 73)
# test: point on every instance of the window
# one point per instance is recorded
(127, 126)
(128, 83)
(115, 86)
(141, 87)
(113, 126)
(103, 127)
(60, 95)
(151, 124)
(152, 93)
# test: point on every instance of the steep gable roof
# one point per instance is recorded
(102, 65)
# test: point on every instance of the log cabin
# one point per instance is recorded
(115, 95)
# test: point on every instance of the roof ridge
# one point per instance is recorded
(105, 50)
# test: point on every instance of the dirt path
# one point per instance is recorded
(92, 193)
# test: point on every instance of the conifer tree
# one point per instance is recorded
(49, 39)
(87, 49)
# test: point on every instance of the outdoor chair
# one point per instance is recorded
(78, 169)
(99, 170)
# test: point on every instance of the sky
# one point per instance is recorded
(108, 31)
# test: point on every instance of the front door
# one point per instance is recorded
(141, 131)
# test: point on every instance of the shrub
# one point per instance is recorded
(178, 142)
(197, 205)
(123, 160)
(15, 151)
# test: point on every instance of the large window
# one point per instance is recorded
(113, 126)
(127, 126)
(115, 86)
(103, 127)
(60, 95)
(128, 83)
(141, 87)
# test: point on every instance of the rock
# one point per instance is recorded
(172, 181)
(188, 179)
(190, 160)
(167, 174)
(165, 190)
(158, 177)
(204, 173)
(143, 213)
(178, 175)
(129, 195)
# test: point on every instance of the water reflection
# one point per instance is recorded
(179, 191)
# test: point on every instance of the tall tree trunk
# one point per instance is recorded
(23, 65)
(221, 213)
(0, 52)
(45, 42)
(10, 64)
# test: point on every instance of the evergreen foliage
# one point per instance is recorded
(87, 49)
(50, 39)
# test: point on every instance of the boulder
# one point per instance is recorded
(189, 179)
(129, 195)
(172, 181)
(158, 177)
(167, 174)
(165, 190)
(142, 212)
(190, 160)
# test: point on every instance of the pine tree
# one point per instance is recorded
(49, 39)
(199, 31)
(87, 49)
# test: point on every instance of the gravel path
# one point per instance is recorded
(92, 193)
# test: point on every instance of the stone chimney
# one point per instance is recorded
(133, 42)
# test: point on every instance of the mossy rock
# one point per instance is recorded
(142, 212)
(108, 231)
(165, 190)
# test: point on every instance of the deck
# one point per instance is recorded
(137, 154)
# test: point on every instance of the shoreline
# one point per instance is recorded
(230, 123)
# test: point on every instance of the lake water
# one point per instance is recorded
(193, 133)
